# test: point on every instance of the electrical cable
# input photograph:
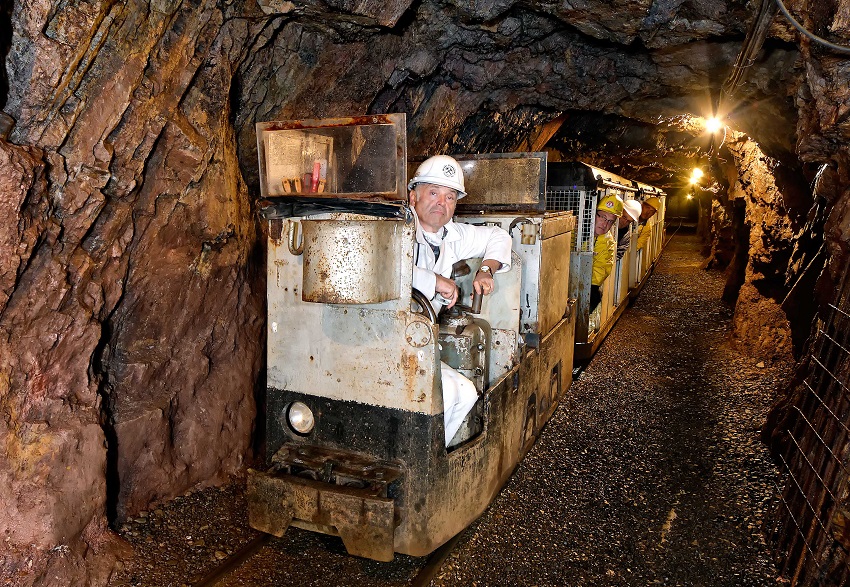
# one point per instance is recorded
(751, 46)
(812, 36)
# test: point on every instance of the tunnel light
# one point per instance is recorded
(696, 174)
(712, 124)
(690, 196)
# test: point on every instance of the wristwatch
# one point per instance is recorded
(485, 269)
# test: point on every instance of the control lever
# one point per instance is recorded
(476, 303)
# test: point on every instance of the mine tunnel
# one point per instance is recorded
(699, 437)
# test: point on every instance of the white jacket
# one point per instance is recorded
(461, 241)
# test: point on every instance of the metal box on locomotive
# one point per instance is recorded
(347, 346)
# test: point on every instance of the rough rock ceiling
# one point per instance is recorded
(486, 76)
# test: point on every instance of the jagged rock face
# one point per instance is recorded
(132, 313)
(131, 270)
(759, 321)
(469, 78)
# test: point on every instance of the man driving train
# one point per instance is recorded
(440, 243)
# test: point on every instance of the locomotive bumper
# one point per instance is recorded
(333, 499)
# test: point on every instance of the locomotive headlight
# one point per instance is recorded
(300, 418)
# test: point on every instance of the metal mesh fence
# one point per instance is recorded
(582, 204)
(811, 530)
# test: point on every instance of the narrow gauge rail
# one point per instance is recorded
(231, 564)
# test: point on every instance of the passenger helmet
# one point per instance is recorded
(440, 170)
(612, 204)
(654, 202)
(632, 208)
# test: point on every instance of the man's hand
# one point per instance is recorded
(483, 282)
(448, 289)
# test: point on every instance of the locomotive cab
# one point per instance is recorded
(354, 417)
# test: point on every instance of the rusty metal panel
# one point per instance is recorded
(379, 354)
(266, 512)
(365, 522)
(351, 261)
(504, 353)
(500, 181)
(513, 181)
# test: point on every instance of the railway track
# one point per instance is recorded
(233, 562)
(422, 579)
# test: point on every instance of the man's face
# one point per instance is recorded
(604, 220)
(646, 211)
(624, 221)
(434, 204)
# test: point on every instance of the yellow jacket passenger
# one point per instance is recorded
(644, 234)
(604, 250)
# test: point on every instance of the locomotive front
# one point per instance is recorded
(351, 368)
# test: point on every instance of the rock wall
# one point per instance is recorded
(759, 324)
(132, 297)
(823, 127)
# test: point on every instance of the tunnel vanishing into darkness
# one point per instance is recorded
(131, 271)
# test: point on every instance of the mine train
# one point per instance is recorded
(354, 426)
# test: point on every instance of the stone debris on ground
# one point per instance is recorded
(650, 472)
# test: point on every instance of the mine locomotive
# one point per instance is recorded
(355, 436)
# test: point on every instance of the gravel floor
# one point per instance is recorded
(650, 473)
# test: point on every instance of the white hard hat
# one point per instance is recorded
(633, 209)
(440, 170)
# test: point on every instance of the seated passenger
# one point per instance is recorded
(440, 243)
(648, 210)
(609, 209)
(632, 209)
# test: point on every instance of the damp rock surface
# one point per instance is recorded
(650, 472)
